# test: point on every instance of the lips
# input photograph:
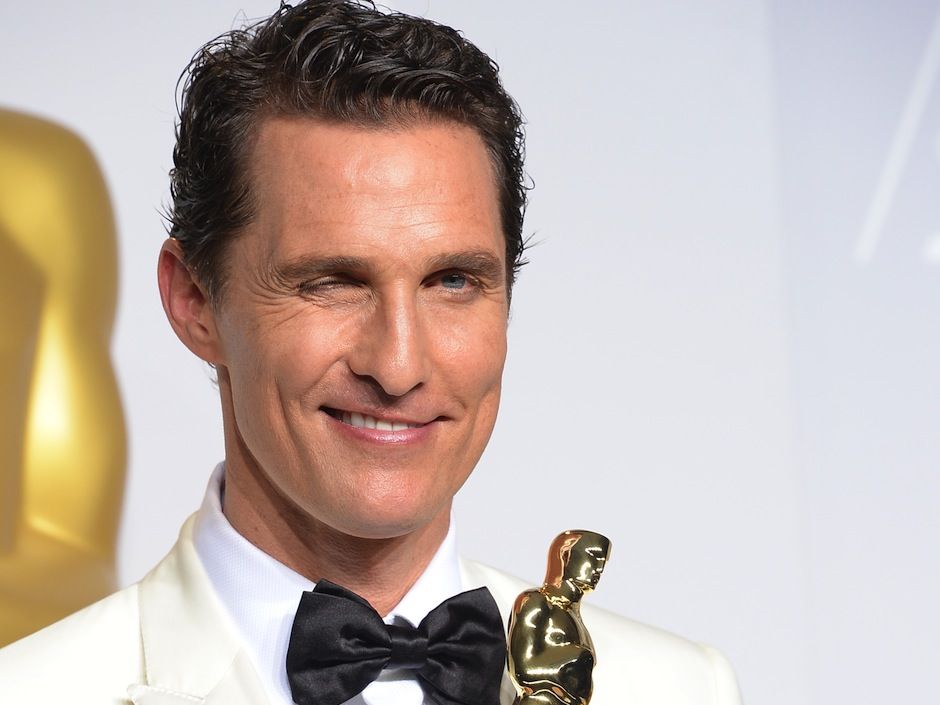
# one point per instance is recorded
(358, 420)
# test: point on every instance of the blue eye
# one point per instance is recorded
(454, 281)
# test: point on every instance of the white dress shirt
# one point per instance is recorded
(261, 594)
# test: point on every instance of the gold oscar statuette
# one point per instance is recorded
(551, 657)
(62, 443)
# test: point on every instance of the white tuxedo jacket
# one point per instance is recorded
(168, 641)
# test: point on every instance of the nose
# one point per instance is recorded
(392, 346)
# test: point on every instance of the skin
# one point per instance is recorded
(371, 280)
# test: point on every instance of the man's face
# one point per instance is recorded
(363, 324)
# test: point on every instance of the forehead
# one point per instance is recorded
(314, 181)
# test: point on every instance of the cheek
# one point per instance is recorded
(473, 357)
(485, 360)
(474, 351)
(275, 363)
(291, 348)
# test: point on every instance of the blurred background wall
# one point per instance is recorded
(723, 354)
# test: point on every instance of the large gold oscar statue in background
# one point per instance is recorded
(551, 655)
(62, 443)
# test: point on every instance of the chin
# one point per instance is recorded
(386, 517)
(384, 525)
(387, 505)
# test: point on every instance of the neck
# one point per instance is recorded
(564, 590)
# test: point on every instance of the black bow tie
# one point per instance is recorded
(339, 644)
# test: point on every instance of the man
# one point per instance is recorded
(345, 230)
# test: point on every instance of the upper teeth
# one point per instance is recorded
(363, 421)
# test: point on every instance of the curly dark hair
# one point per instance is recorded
(337, 60)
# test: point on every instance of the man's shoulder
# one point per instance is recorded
(641, 663)
(654, 660)
(94, 654)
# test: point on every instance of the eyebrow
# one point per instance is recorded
(480, 263)
(310, 267)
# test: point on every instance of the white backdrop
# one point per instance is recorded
(723, 354)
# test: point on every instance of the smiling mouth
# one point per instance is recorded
(356, 420)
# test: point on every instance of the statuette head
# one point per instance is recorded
(577, 557)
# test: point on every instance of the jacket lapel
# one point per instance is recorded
(178, 607)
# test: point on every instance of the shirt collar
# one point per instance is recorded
(262, 594)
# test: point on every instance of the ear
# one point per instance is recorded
(186, 305)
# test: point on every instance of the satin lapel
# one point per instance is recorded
(147, 695)
(192, 651)
(238, 685)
